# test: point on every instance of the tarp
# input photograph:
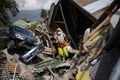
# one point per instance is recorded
(21, 23)
(24, 24)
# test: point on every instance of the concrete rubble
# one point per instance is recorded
(59, 60)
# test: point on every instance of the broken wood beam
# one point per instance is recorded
(52, 73)
(105, 14)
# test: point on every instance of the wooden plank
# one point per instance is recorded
(105, 14)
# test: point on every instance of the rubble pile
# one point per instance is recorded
(47, 65)
(37, 54)
(57, 60)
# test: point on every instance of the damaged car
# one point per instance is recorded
(22, 40)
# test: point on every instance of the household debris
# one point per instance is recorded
(51, 55)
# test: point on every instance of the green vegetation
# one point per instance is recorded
(7, 6)
(44, 13)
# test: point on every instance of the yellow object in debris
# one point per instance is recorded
(63, 51)
(83, 75)
(60, 51)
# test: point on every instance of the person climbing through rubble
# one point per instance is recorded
(62, 41)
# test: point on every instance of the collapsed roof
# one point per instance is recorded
(71, 18)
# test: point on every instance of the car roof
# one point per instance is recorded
(22, 30)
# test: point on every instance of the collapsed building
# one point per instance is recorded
(71, 18)
(88, 35)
